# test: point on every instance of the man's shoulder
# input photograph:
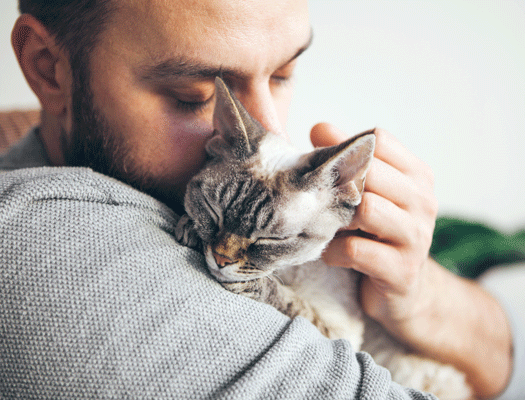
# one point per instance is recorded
(79, 225)
(77, 209)
(73, 183)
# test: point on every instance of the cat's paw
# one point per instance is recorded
(186, 234)
(444, 381)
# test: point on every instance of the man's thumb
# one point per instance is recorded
(324, 134)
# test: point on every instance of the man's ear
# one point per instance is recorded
(44, 64)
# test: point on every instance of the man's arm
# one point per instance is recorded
(416, 300)
(97, 300)
(460, 323)
(506, 283)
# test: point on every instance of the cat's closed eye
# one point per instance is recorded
(271, 240)
(213, 212)
(207, 229)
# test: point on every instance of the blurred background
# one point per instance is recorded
(446, 77)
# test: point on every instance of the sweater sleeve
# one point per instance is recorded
(97, 300)
(506, 283)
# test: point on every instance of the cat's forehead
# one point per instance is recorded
(274, 155)
(267, 204)
(297, 208)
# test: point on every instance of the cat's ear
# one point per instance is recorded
(343, 166)
(235, 129)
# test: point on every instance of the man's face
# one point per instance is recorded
(152, 81)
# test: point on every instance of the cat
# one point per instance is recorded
(262, 213)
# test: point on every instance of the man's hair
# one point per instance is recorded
(75, 24)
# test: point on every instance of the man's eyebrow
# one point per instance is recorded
(179, 68)
(174, 68)
(303, 48)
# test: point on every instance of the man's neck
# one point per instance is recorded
(50, 129)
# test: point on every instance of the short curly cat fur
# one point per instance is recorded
(259, 209)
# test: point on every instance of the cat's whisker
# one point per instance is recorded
(274, 275)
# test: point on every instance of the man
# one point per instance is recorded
(126, 88)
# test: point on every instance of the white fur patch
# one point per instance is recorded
(276, 154)
(303, 207)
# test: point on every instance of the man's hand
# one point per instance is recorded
(419, 302)
(397, 213)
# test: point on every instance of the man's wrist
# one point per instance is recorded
(466, 327)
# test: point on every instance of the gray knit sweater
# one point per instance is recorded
(97, 300)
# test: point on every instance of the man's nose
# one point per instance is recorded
(260, 103)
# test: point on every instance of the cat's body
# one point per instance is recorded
(262, 214)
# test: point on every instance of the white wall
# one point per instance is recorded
(446, 77)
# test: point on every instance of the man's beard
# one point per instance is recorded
(94, 143)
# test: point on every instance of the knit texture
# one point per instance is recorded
(99, 301)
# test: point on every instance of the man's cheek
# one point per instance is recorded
(180, 149)
(191, 133)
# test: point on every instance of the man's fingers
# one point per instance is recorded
(386, 181)
(383, 220)
(391, 151)
(388, 149)
(393, 224)
(374, 259)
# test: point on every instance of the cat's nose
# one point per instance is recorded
(222, 261)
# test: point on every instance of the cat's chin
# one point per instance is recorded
(219, 275)
(228, 279)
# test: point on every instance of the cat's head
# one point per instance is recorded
(258, 205)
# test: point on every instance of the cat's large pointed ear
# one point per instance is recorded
(343, 166)
(235, 129)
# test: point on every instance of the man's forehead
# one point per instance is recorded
(242, 20)
(237, 34)
(223, 12)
